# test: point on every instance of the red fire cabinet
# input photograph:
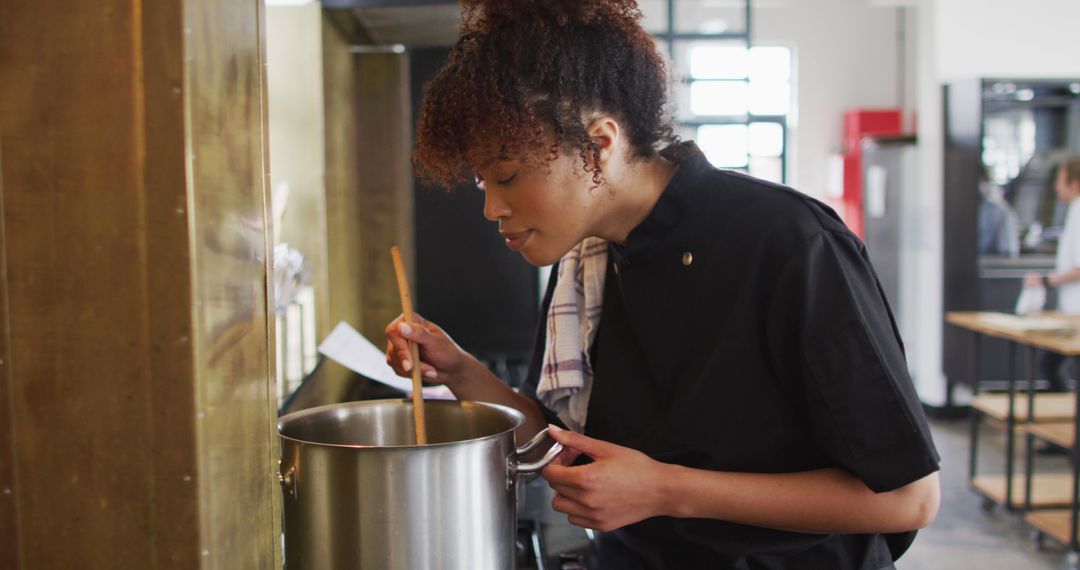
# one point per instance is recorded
(858, 124)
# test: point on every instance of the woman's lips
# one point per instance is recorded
(516, 240)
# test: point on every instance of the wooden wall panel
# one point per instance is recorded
(236, 434)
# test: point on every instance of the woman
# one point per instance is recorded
(719, 344)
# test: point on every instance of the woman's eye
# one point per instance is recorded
(508, 180)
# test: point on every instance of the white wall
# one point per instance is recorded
(297, 162)
(295, 114)
(964, 39)
(847, 55)
(1007, 38)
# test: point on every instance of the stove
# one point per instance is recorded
(545, 539)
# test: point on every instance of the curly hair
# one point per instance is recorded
(525, 75)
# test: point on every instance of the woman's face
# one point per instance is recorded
(542, 212)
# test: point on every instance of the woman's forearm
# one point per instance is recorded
(823, 501)
(1065, 277)
(475, 382)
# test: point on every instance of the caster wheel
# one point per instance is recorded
(1038, 537)
(987, 504)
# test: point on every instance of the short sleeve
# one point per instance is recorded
(1072, 236)
(832, 334)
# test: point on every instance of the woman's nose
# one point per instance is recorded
(495, 207)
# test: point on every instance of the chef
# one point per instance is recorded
(715, 351)
(1066, 274)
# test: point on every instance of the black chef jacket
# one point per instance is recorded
(744, 329)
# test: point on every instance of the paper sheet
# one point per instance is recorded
(350, 349)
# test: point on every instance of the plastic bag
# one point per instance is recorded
(291, 272)
(1032, 299)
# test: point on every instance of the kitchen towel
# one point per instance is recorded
(572, 321)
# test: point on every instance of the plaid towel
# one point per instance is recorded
(572, 321)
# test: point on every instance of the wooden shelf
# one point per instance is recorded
(1054, 524)
(1048, 407)
(1061, 433)
(1047, 490)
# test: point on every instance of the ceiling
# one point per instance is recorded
(419, 23)
(411, 25)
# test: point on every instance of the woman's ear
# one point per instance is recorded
(605, 131)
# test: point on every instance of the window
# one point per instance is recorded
(733, 98)
(739, 100)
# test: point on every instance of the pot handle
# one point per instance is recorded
(287, 479)
(533, 443)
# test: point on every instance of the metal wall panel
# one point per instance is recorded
(93, 351)
(224, 99)
(136, 414)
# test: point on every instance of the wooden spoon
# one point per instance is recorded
(414, 350)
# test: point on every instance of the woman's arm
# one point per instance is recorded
(1053, 279)
(475, 382)
(442, 360)
(623, 486)
(821, 501)
(1067, 276)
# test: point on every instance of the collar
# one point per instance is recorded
(658, 227)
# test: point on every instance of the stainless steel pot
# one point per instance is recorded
(359, 494)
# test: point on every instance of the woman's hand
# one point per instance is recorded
(1033, 280)
(440, 357)
(443, 361)
(620, 487)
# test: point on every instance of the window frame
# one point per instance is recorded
(673, 41)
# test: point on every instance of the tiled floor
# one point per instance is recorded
(965, 536)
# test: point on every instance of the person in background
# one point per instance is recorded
(999, 229)
(717, 348)
(1066, 274)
